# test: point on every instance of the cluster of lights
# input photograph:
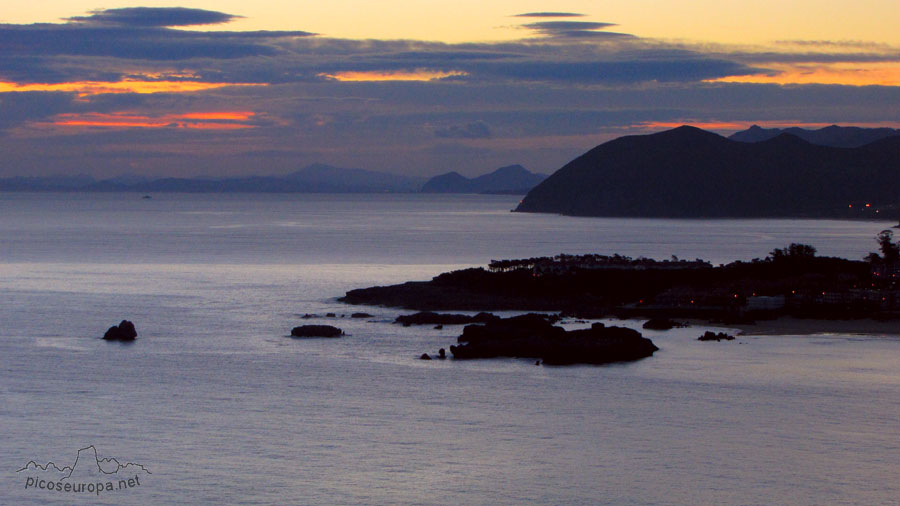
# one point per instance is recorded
(868, 206)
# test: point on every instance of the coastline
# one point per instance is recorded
(790, 326)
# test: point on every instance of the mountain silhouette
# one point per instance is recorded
(834, 136)
(315, 178)
(689, 172)
(355, 179)
(59, 182)
(512, 179)
(87, 465)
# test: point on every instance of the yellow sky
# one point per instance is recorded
(719, 21)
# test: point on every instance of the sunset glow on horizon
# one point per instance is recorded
(228, 120)
(376, 76)
(851, 74)
(88, 88)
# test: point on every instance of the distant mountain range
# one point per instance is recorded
(46, 183)
(513, 180)
(316, 178)
(688, 172)
(834, 136)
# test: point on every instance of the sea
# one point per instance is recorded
(214, 403)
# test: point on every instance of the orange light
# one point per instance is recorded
(868, 205)
(223, 115)
(846, 73)
(88, 88)
(217, 120)
(379, 75)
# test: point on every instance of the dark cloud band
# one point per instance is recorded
(154, 17)
(549, 15)
(551, 26)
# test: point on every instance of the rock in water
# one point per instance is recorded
(124, 331)
(711, 336)
(661, 324)
(316, 331)
(430, 318)
(533, 336)
(425, 357)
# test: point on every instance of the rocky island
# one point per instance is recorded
(534, 336)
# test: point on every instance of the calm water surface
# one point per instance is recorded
(221, 407)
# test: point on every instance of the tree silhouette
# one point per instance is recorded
(890, 251)
(794, 252)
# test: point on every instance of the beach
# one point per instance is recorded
(790, 326)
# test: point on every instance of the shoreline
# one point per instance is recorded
(790, 326)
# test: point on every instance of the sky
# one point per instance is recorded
(419, 87)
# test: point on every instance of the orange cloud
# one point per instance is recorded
(88, 88)
(229, 115)
(195, 120)
(853, 74)
(378, 75)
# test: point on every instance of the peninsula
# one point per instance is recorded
(691, 173)
(510, 180)
(791, 281)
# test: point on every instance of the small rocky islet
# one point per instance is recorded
(661, 324)
(432, 318)
(534, 336)
(316, 331)
(715, 336)
(123, 332)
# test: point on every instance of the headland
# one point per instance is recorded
(783, 293)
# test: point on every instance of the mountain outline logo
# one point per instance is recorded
(87, 456)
